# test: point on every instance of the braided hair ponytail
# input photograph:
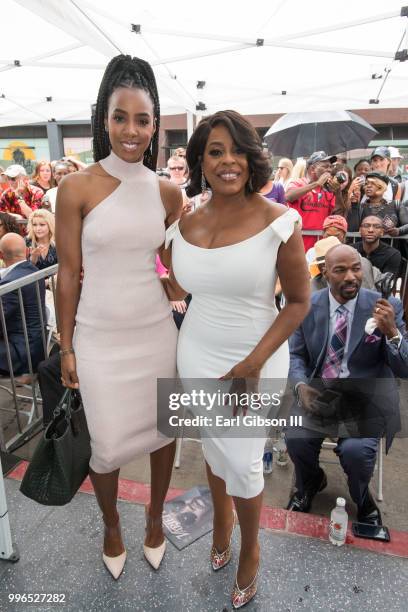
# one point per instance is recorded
(125, 71)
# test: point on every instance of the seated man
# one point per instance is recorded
(382, 255)
(331, 350)
(13, 252)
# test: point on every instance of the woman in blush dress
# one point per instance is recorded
(227, 254)
(111, 219)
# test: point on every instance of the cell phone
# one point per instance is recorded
(328, 396)
(388, 222)
(326, 403)
(371, 532)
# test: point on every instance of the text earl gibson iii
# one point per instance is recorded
(237, 421)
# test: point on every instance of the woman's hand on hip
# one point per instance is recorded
(245, 378)
(243, 369)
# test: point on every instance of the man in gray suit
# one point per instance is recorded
(332, 355)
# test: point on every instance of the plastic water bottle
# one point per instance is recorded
(268, 457)
(338, 523)
(282, 457)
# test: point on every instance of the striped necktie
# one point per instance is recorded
(335, 353)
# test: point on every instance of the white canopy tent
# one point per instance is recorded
(267, 56)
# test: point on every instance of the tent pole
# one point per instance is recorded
(190, 124)
(7, 551)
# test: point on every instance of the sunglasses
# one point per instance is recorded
(179, 168)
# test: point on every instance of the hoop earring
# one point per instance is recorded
(203, 182)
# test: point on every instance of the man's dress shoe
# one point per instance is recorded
(303, 503)
(369, 512)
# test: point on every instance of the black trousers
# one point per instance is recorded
(49, 379)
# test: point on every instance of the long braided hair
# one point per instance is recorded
(125, 71)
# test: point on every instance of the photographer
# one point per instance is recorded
(355, 192)
(20, 198)
(317, 195)
(394, 215)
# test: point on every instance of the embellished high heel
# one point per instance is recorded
(154, 555)
(220, 560)
(116, 564)
(240, 597)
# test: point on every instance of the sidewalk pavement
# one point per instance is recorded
(60, 552)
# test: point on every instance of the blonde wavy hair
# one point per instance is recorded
(48, 218)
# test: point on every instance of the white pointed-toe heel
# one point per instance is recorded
(115, 564)
(153, 555)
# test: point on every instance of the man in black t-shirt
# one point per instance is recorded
(382, 255)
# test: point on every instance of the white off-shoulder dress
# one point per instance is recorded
(125, 336)
(232, 307)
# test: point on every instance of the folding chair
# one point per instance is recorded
(378, 465)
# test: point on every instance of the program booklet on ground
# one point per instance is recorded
(188, 517)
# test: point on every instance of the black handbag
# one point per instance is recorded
(60, 462)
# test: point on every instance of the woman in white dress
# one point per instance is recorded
(227, 254)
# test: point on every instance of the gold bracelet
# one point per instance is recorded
(67, 351)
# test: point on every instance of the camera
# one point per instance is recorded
(339, 177)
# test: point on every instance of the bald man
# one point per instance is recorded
(13, 252)
(344, 382)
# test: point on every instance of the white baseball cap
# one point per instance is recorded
(394, 153)
(15, 170)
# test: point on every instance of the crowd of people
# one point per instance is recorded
(27, 206)
(218, 235)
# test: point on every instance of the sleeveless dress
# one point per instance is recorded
(125, 337)
(232, 307)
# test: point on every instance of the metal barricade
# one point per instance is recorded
(32, 415)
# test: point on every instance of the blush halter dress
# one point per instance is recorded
(125, 337)
(232, 307)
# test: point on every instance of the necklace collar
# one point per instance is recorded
(120, 169)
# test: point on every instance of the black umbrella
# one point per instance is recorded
(300, 134)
